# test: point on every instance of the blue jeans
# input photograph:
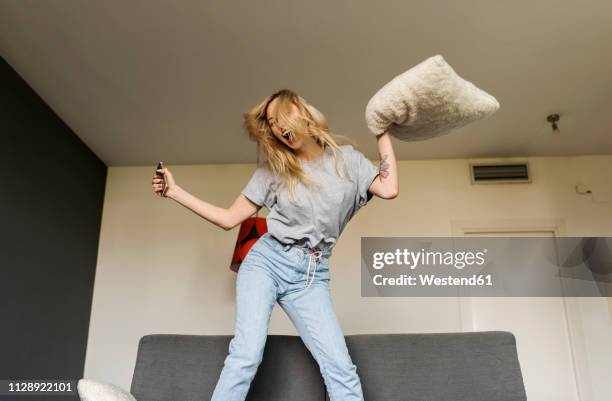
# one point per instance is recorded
(298, 279)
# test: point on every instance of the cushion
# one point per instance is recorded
(426, 101)
(92, 390)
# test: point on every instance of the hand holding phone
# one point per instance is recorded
(160, 166)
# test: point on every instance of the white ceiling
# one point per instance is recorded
(140, 81)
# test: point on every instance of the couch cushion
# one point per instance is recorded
(173, 367)
(471, 366)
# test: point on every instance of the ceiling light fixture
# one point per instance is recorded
(553, 119)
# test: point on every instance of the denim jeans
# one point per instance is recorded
(298, 279)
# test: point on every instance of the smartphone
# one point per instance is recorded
(160, 165)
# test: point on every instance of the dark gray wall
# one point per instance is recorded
(51, 197)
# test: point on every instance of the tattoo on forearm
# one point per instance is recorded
(383, 168)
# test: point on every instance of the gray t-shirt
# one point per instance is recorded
(314, 218)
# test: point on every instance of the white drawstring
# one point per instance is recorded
(317, 255)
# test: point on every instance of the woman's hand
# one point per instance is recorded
(164, 176)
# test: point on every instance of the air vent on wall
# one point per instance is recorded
(495, 173)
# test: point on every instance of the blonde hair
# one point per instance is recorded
(280, 158)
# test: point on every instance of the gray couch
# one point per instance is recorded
(472, 366)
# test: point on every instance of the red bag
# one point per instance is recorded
(250, 231)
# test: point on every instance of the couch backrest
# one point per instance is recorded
(471, 366)
(173, 367)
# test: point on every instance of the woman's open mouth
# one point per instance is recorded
(288, 135)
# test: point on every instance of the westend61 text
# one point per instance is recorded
(433, 280)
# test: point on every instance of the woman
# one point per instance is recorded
(310, 197)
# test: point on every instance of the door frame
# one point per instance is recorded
(571, 308)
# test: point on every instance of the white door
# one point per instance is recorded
(540, 325)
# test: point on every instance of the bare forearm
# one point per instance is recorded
(388, 165)
(214, 214)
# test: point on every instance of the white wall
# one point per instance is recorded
(163, 269)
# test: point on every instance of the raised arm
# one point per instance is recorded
(385, 185)
(240, 210)
(227, 219)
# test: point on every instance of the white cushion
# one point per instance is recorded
(92, 390)
(426, 101)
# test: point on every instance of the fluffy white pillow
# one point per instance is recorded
(426, 101)
(92, 390)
